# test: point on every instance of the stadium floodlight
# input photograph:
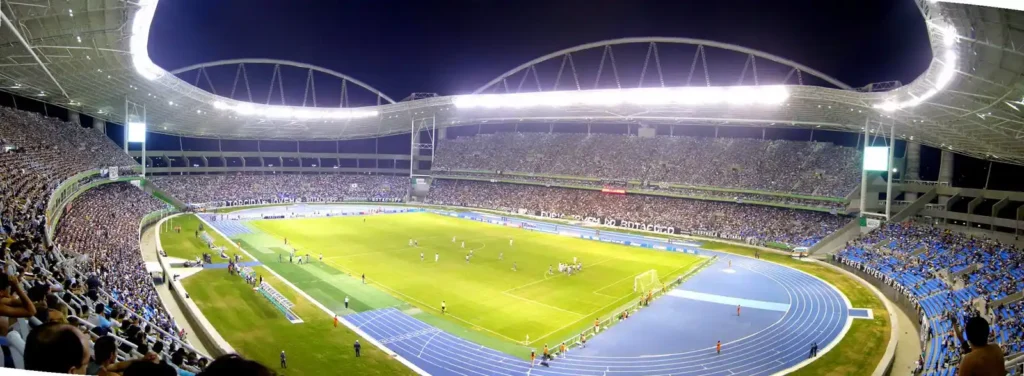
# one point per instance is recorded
(945, 76)
(139, 42)
(876, 158)
(289, 112)
(687, 96)
(137, 132)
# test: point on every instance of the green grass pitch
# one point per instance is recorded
(484, 294)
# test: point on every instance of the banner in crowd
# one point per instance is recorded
(300, 200)
(613, 222)
(112, 173)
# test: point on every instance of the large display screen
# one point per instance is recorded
(876, 158)
(137, 132)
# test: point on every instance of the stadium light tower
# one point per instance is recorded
(135, 127)
(878, 159)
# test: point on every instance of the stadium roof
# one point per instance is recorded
(89, 55)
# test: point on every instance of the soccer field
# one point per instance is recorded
(484, 294)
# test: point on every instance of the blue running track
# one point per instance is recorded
(674, 336)
(818, 313)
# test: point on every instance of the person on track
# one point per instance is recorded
(737, 310)
(718, 348)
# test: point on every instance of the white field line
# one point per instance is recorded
(425, 305)
(542, 304)
(324, 308)
(547, 278)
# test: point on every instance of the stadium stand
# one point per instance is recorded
(812, 168)
(647, 187)
(114, 301)
(948, 276)
(202, 189)
(751, 223)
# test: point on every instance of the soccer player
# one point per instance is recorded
(284, 364)
(285, 243)
(421, 256)
(364, 278)
(551, 270)
(514, 266)
(501, 256)
(470, 253)
(436, 256)
(410, 242)
(463, 244)
(574, 259)
(453, 239)
(510, 242)
(346, 302)
(444, 308)
(718, 348)
(467, 259)
(321, 257)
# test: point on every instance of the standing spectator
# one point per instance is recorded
(983, 359)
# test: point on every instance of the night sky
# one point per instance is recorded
(453, 47)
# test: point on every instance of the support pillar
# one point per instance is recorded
(863, 174)
(913, 167)
(99, 126)
(945, 172)
(74, 118)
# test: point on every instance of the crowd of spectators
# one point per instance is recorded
(84, 303)
(646, 187)
(948, 276)
(751, 223)
(103, 225)
(811, 168)
(204, 189)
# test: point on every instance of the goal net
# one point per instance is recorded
(645, 281)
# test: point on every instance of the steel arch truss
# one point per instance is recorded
(246, 71)
(654, 62)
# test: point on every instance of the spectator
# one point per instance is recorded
(984, 359)
(17, 304)
(57, 348)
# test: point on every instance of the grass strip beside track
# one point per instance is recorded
(186, 245)
(864, 344)
(257, 330)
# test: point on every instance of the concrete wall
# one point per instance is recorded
(205, 332)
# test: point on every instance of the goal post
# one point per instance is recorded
(646, 281)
